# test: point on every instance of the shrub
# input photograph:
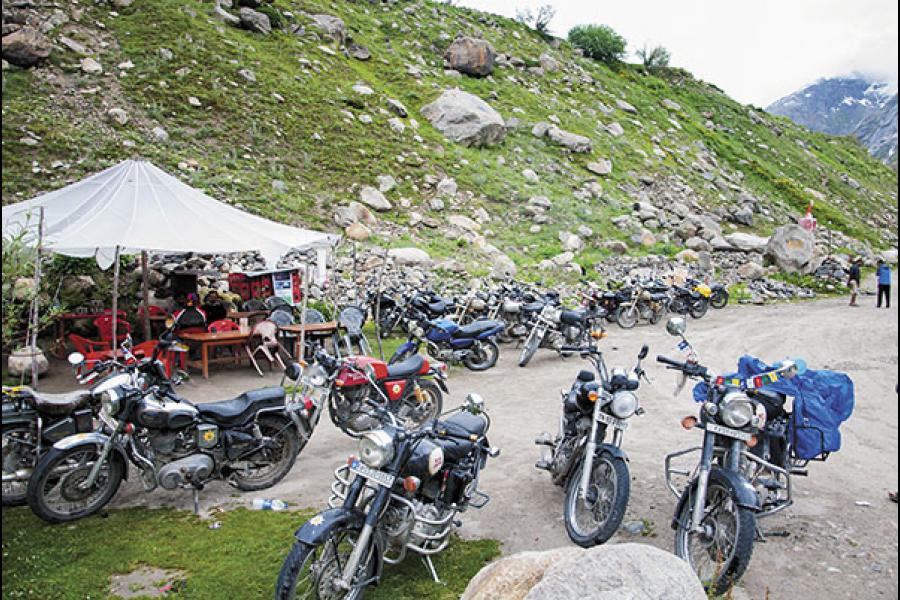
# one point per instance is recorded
(654, 58)
(599, 42)
(540, 20)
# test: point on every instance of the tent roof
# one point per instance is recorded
(137, 206)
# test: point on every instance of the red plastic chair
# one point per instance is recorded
(223, 325)
(86, 346)
(155, 311)
(104, 327)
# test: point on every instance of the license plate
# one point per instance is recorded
(610, 420)
(728, 432)
(379, 477)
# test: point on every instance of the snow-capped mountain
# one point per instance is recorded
(847, 106)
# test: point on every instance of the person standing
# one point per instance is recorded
(854, 278)
(884, 283)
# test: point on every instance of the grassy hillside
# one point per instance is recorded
(299, 124)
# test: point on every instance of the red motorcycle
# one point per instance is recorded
(412, 390)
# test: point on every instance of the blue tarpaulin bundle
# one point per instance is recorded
(822, 401)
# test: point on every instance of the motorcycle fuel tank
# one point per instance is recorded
(165, 415)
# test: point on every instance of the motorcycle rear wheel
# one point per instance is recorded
(275, 461)
(414, 414)
(719, 298)
(308, 570)
(483, 357)
(611, 483)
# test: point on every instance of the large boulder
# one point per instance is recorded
(612, 572)
(410, 257)
(26, 47)
(465, 118)
(332, 26)
(255, 21)
(572, 141)
(793, 250)
(502, 266)
(747, 242)
(471, 56)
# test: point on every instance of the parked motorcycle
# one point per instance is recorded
(34, 421)
(594, 472)
(556, 327)
(473, 345)
(718, 295)
(746, 463)
(643, 304)
(250, 441)
(402, 493)
(688, 301)
(520, 310)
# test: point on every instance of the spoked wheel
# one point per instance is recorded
(719, 298)
(414, 412)
(699, 307)
(627, 316)
(57, 491)
(719, 554)
(531, 345)
(594, 519)
(267, 466)
(483, 356)
(19, 458)
(313, 572)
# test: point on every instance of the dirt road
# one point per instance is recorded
(835, 547)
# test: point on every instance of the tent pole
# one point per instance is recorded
(378, 306)
(303, 304)
(115, 301)
(35, 302)
(145, 285)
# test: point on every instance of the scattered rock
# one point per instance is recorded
(626, 107)
(373, 198)
(465, 118)
(447, 187)
(512, 577)
(357, 231)
(255, 21)
(751, 270)
(747, 242)
(332, 26)
(471, 56)
(26, 47)
(160, 134)
(117, 115)
(572, 141)
(386, 183)
(397, 107)
(91, 66)
(671, 104)
(602, 166)
(409, 256)
(548, 63)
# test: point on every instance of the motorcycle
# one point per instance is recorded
(473, 345)
(643, 303)
(519, 310)
(556, 327)
(411, 390)
(745, 467)
(402, 493)
(250, 442)
(594, 472)
(718, 295)
(687, 301)
(34, 421)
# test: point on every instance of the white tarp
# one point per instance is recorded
(137, 206)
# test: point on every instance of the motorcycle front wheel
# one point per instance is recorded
(531, 345)
(719, 554)
(310, 571)
(719, 298)
(483, 356)
(699, 308)
(627, 316)
(55, 493)
(592, 520)
(267, 466)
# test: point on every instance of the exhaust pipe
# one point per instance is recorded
(20, 475)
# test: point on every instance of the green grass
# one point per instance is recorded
(239, 560)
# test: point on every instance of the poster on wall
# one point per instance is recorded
(284, 286)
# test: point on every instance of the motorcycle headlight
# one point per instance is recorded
(624, 404)
(418, 332)
(111, 403)
(315, 376)
(376, 448)
(737, 410)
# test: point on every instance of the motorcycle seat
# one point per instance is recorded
(461, 424)
(658, 297)
(241, 409)
(58, 405)
(473, 330)
(410, 366)
(533, 307)
(573, 317)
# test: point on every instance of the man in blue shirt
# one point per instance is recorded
(884, 283)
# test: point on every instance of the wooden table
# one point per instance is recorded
(313, 330)
(235, 339)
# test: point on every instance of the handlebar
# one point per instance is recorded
(689, 369)
(668, 361)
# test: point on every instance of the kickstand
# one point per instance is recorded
(430, 566)
(196, 501)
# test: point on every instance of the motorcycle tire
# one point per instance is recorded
(19, 454)
(657, 315)
(287, 446)
(484, 357)
(719, 298)
(615, 467)
(699, 308)
(408, 409)
(531, 346)
(47, 472)
(627, 316)
(725, 574)
(302, 554)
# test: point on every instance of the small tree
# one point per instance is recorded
(540, 20)
(654, 58)
(599, 42)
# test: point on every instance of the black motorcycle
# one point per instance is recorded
(250, 441)
(687, 301)
(556, 327)
(401, 494)
(594, 472)
(34, 421)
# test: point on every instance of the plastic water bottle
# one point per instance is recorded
(269, 504)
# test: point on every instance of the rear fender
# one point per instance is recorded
(490, 333)
(95, 438)
(744, 493)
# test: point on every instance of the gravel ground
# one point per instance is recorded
(841, 533)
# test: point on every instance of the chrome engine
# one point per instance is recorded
(184, 471)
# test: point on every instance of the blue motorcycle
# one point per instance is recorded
(473, 345)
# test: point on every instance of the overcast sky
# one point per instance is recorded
(756, 51)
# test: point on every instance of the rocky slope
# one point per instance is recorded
(853, 106)
(494, 152)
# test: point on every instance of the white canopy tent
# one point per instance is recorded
(134, 207)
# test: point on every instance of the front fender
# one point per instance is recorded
(317, 529)
(744, 494)
(94, 438)
(613, 451)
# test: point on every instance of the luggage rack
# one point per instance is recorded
(800, 463)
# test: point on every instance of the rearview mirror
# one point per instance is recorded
(676, 326)
(474, 403)
(645, 349)
(180, 377)
(76, 359)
